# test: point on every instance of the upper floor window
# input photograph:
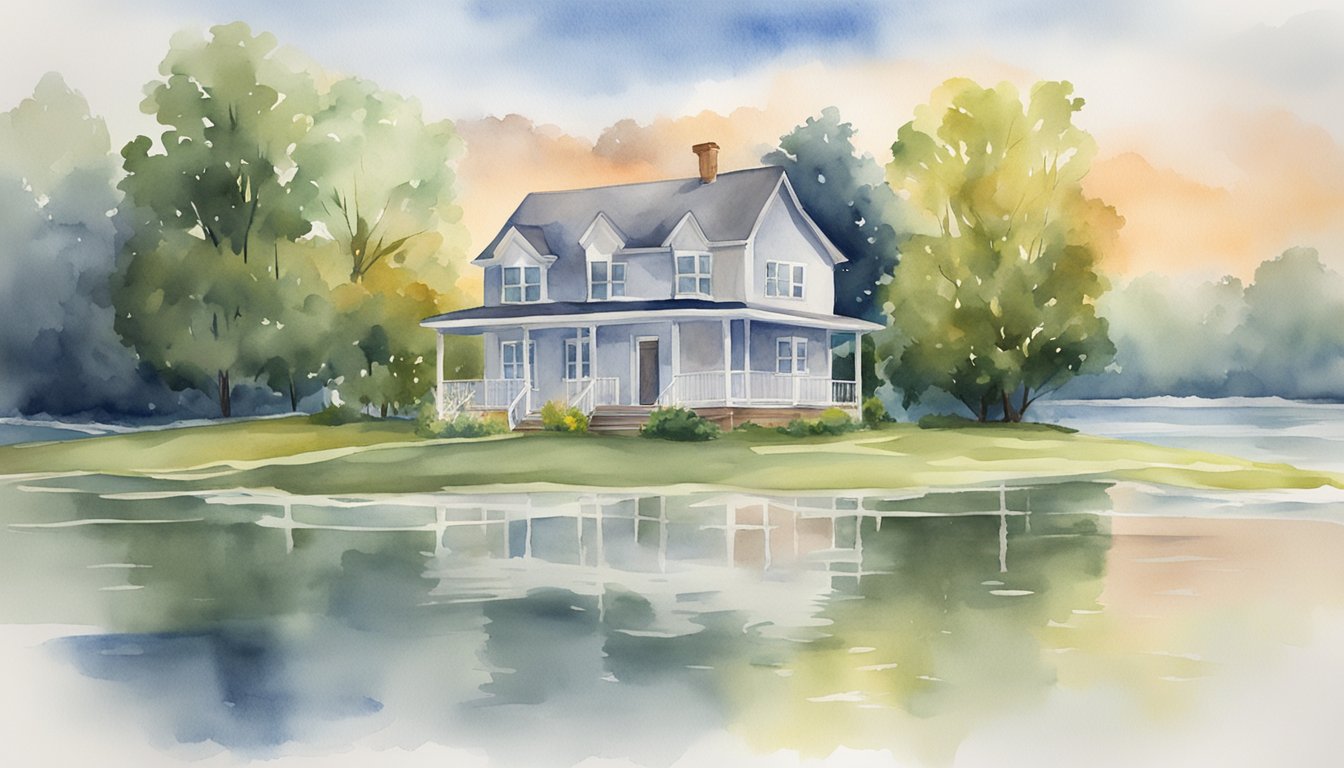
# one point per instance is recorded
(693, 274)
(522, 284)
(791, 355)
(783, 280)
(606, 280)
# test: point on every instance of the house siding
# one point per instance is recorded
(784, 235)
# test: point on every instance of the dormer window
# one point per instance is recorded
(783, 280)
(606, 280)
(694, 272)
(522, 284)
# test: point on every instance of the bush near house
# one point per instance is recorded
(832, 421)
(464, 425)
(336, 415)
(680, 424)
(874, 412)
(556, 416)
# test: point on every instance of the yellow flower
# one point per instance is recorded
(571, 423)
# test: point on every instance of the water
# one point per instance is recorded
(1054, 625)
(1079, 623)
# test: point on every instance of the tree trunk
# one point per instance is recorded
(293, 396)
(1009, 415)
(1026, 403)
(382, 410)
(225, 394)
(983, 416)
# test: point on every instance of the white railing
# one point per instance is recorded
(844, 392)
(756, 388)
(588, 394)
(517, 408)
(482, 394)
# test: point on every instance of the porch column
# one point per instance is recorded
(727, 361)
(438, 369)
(592, 359)
(527, 370)
(676, 364)
(746, 360)
(858, 370)
(830, 363)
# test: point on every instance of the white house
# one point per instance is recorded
(714, 292)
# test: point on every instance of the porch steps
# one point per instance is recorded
(619, 418)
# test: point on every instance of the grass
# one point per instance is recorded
(386, 457)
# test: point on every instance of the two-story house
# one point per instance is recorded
(714, 292)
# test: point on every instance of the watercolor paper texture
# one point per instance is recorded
(671, 384)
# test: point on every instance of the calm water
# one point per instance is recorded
(1052, 625)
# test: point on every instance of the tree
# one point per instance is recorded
(57, 349)
(850, 201)
(195, 293)
(997, 307)
(383, 179)
(1292, 337)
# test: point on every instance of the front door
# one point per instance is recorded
(648, 372)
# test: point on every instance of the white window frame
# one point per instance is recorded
(521, 270)
(579, 362)
(609, 286)
(795, 359)
(517, 364)
(701, 273)
(790, 284)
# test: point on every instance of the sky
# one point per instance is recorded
(1220, 124)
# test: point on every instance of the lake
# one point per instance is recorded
(1066, 624)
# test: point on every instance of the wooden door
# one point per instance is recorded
(648, 372)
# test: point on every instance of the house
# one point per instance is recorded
(714, 292)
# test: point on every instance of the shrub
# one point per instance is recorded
(464, 425)
(556, 416)
(874, 412)
(832, 421)
(680, 424)
(336, 415)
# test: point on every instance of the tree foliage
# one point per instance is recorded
(58, 352)
(997, 306)
(286, 231)
(846, 195)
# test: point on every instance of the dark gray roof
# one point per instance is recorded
(645, 213)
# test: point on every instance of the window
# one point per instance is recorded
(791, 355)
(579, 357)
(522, 284)
(693, 274)
(511, 360)
(783, 279)
(606, 280)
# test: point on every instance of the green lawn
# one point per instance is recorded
(386, 457)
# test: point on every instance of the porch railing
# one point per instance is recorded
(483, 394)
(588, 394)
(756, 388)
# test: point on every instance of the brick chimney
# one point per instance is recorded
(709, 161)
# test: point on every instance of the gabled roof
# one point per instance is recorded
(726, 210)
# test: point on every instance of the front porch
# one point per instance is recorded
(734, 364)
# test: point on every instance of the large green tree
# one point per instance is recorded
(847, 196)
(997, 306)
(198, 292)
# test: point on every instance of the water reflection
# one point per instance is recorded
(612, 624)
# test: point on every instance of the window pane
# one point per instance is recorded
(599, 271)
(704, 286)
(618, 289)
(771, 269)
(704, 265)
(685, 265)
(618, 272)
(785, 365)
(797, 290)
(685, 285)
(771, 289)
(533, 275)
(512, 276)
(798, 274)
(513, 293)
(533, 292)
(599, 290)
(782, 348)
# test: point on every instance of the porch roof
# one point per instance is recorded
(561, 314)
